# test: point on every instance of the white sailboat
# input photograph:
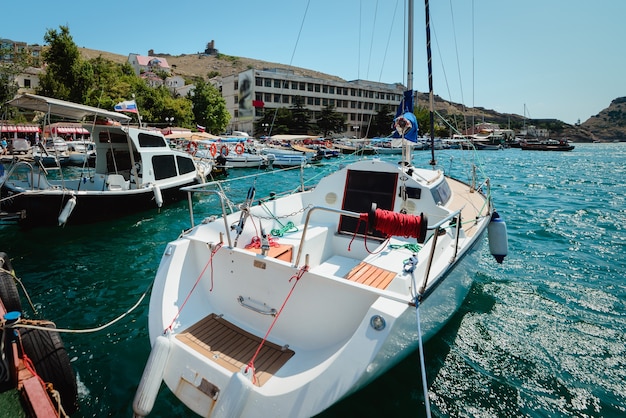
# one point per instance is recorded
(288, 325)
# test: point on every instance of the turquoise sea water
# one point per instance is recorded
(540, 336)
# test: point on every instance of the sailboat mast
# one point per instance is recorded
(431, 98)
(409, 30)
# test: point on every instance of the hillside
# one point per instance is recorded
(608, 125)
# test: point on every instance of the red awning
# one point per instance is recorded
(64, 130)
(19, 128)
(8, 128)
(258, 103)
(68, 130)
(28, 128)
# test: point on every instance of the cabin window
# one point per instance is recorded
(363, 189)
(441, 193)
(106, 137)
(185, 165)
(164, 167)
(151, 141)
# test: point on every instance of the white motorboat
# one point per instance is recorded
(82, 153)
(52, 152)
(291, 303)
(135, 170)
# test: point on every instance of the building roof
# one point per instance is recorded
(147, 60)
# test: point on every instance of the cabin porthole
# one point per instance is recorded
(378, 322)
(331, 198)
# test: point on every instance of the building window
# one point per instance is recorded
(276, 84)
(285, 98)
(317, 88)
(302, 86)
(258, 81)
(317, 101)
(294, 85)
(236, 98)
(27, 83)
(324, 89)
(331, 89)
(277, 98)
(267, 97)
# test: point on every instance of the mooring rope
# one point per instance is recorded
(422, 363)
(409, 267)
(209, 263)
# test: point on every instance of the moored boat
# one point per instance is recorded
(135, 170)
(546, 145)
(33, 359)
(291, 303)
(82, 153)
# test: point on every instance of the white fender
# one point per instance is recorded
(157, 195)
(150, 383)
(498, 237)
(67, 210)
(232, 399)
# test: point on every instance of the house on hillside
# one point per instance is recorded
(11, 51)
(143, 63)
(28, 80)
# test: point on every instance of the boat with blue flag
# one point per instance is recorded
(283, 305)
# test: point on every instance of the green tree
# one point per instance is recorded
(9, 71)
(278, 122)
(300, 117)
(330, 121)
(209, 107)
(382, 122)
(67, 75)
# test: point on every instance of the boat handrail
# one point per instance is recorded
(431, 256)
(435, 227)
(15, 166)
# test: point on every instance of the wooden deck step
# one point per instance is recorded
(233, 348)
(371, 275)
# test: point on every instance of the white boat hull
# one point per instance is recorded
(322, 321)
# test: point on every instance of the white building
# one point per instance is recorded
(247, 93)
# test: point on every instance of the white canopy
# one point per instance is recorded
(64, 109)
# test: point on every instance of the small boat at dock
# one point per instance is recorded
(135, 170)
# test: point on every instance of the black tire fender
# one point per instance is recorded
(52, 363)
(8, 292)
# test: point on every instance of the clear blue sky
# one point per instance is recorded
(562, 59)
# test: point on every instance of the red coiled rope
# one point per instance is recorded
(398, 224)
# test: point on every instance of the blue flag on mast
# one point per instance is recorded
(405, 122)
